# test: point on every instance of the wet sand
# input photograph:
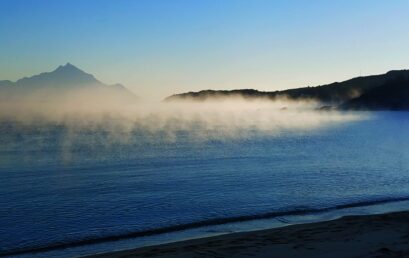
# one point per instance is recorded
(385, 235)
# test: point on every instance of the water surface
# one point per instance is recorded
(61, 188)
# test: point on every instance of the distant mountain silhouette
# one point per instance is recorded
(66, 79)
(356, 93)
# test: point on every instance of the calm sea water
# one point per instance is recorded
(59, 189)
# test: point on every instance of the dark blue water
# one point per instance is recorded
(59, 188)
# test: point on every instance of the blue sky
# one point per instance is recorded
(160, 47)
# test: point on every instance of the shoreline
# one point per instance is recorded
(93, 247)
(381, 235)
(268, 220)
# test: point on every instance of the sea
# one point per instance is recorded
(71, 193)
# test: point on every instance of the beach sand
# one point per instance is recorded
(385, 235)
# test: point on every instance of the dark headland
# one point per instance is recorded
(389, 91)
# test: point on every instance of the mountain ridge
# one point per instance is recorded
(336, 94)
(59, 82)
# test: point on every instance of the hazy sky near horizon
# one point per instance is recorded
(160, 47)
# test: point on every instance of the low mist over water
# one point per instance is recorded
(230, 118)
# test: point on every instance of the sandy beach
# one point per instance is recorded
(385, 235)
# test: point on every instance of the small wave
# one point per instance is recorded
(211, 222)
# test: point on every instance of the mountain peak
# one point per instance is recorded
(68, 67)
(66, 75)
(69, 72)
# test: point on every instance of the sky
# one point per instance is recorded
(160, 47)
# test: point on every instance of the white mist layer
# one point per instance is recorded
(230, 118)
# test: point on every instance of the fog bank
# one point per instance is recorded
(228, 118)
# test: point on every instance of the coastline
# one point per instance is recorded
(381, 235)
